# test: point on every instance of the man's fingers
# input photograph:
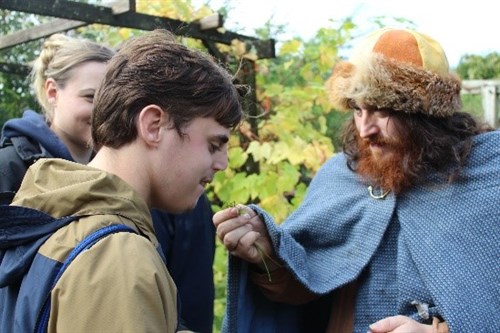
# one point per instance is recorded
(244, 248)
(225, 215)
(231, 239)
(388, 324)
(242, 209)
(227, 226)
(239, 228)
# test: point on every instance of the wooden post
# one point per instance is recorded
(490, 96)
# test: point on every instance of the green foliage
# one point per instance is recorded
(335, 121)
(220, 264)
(472, 103)
(475, 67)
(15, 94)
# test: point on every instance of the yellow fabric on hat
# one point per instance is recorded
(403, 45)
(433, 55)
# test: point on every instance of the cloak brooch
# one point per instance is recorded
(380, 195)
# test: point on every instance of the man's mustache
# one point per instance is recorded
(379, 140)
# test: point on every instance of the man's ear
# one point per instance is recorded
(150, 122)
(51, 90)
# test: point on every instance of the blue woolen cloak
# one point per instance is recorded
(450, 235)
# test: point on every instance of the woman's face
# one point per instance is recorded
(73, 105)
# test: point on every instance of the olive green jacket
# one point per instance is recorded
(120, 284)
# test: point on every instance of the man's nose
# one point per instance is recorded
(367, 125)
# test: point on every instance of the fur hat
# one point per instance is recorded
(399, 70)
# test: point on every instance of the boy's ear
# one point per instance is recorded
(150, 121)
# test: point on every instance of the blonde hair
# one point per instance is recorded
(60, 54)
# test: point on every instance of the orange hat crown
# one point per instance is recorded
(400, 70)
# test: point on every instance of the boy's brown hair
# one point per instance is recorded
(155, 68)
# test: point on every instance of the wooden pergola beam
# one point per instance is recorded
(40, 31)
(76, 11)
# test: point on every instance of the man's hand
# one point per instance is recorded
(243, 233)
(399, 324)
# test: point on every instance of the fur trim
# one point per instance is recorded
(387, 84)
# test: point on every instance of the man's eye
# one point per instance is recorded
(382, 113)
(353, 105)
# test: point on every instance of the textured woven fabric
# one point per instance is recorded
(440, 256)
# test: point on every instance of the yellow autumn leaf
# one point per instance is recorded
(238, 47)
(280, 152)
(277, 206)
(237, 157)
(260, 151)
(316, 155)
(291, 46)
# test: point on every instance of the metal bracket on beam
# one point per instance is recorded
(211, 22)
(122, 6)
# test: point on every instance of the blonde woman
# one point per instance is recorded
(65, 77)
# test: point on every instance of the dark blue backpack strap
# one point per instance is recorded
(6, 197)
(86, 243)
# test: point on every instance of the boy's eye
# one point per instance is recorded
(214, 148)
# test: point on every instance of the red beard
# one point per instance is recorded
(387, 171)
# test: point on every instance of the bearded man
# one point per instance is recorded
(399, 232)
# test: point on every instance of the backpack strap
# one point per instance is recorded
(86, 243)
(6, 197)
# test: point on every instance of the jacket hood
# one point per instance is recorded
(20, 239)
(33, 126)
(55, 192)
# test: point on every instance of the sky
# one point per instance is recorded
(461, 27)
